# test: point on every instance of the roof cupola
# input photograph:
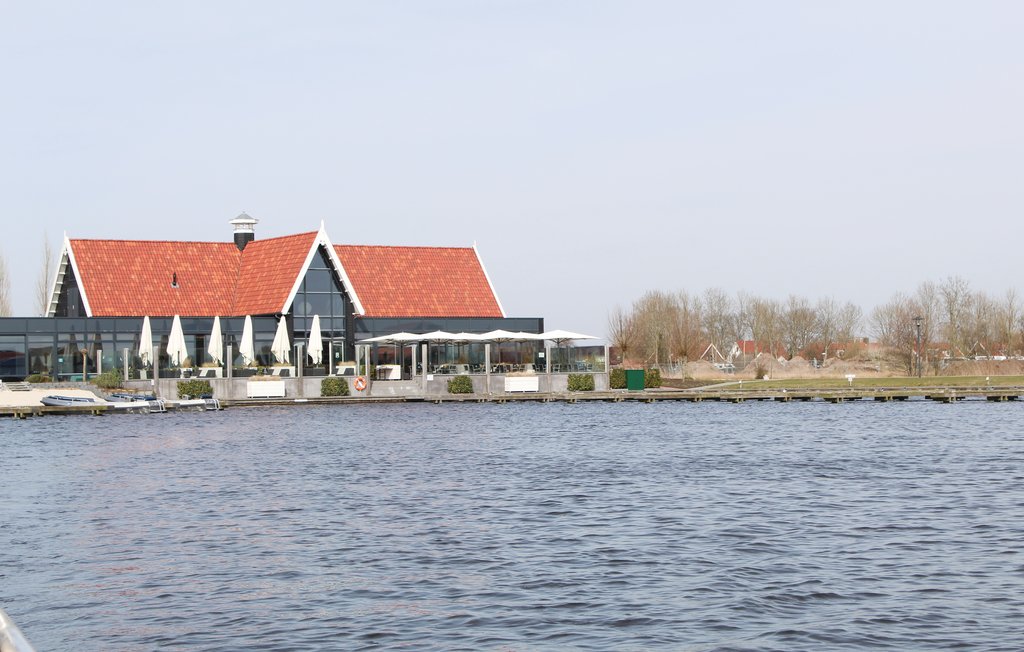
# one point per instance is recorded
(244, 230)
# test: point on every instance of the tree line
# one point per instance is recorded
(43, 282)
(955, 321)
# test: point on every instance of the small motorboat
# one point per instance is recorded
(126, 396)
(67, 401)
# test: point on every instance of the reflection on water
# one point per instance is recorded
(588, 526)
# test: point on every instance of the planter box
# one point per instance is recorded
(264, 388)
(522, 384)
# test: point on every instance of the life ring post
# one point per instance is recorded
(360, 384)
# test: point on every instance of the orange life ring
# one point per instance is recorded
(360, 384)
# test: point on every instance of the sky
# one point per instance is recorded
(592, 150)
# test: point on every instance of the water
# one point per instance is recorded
(757, 526)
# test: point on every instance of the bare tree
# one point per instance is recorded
(653, 318)
(686, 337)
(826, 315)
(956, 297)
(894, 327)
(798, 321)
(719, 320)
(620, 331)
(1009, 316)
(929, 303)
(5, 288)
(43, 282)
(848, 322)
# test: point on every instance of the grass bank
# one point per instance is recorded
(877, 383)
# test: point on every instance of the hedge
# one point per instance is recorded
(194, 388)
(108, 380)
(581, 383)
(617, 379)
(652, 378)
(332, 386)
(37, 378)
(460, 385)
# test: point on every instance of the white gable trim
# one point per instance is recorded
(489, 284)
(322, 240)
(67, 258)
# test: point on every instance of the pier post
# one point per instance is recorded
(487, 366)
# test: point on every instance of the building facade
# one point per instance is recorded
(104, 290)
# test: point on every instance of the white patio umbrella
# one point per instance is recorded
(281, 348)
(246, 348)
(315, 348)
(391, 339)
(176, 349)
(498, 337)
(216, 345)
(146, 342)
(561, 337)
(467, 337)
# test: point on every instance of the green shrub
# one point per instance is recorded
(581, 383)
(194, 388)
(652, 378)
(37, 378)
(617, 379)
(108, 380)
(460, 385)
(332, 386)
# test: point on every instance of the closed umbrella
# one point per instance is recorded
(176, 349)
(146, 343)
(280, 346)
(316, 342)
(246, 348)
(216, 343)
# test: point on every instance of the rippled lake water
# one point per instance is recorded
(674, 526)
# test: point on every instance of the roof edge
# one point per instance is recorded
(487, 276)
(322, 239)
(78, 277)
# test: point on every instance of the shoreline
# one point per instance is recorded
(21, 404)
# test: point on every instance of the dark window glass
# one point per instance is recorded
(338, 305)
(13, 363)
(319, 304)
(319, 280)
(319, 261)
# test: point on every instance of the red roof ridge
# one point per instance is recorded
(403, 246)
(282, 237)
(175, 242)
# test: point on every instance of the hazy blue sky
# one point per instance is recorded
(593, 150)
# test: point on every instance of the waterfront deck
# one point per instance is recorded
(697, 395)
(938, 394)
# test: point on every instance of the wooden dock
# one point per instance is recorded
(697, 395)
(881, 395)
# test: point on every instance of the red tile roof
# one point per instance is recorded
(122, 278)
(269, 270)
(125, 277)
(419, 281)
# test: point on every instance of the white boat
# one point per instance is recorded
(67, 401)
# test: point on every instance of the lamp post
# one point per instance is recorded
(917, 325)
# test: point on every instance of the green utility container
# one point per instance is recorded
(634, 378)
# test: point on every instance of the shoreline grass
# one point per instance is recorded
(886, 382)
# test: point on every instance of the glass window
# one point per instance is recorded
(13, 363)
(319, 280)
(40, 353)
